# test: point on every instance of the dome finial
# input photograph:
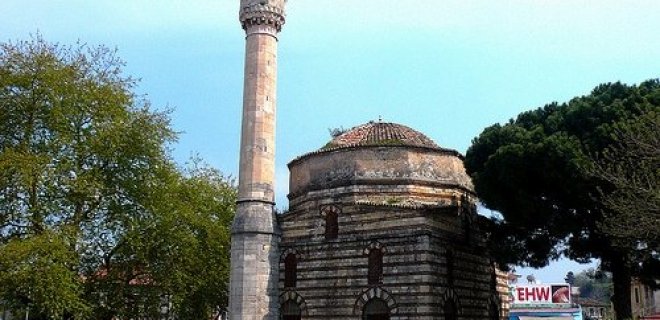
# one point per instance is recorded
(380, 118)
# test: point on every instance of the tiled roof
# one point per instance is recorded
(381, 133)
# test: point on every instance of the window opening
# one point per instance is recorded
(450, 267)
(331, 225)
(290, 270)
(376, 309)
(375, 266)
(450, 310)
(291, 311)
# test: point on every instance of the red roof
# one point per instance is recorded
(381, 133)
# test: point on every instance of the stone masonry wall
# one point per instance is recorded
(254, 243)
(332, 274)
(379, 166)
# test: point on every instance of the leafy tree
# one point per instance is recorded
(594, 284)
(632, 166)
(34, 269)
(182, 252)
(536, 171)
(96, 220)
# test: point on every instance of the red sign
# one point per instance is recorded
(542, 293)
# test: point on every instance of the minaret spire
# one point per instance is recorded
(255, 234)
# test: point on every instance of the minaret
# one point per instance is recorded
(255, 235)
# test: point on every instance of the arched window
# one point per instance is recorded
(375, 273)
(290, 270)
(450, 310)
(467, 228)
(449, 256)
(291, 311)
(376, 309)
(331, 224)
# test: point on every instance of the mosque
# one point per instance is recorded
(382, 226)
(382, 221)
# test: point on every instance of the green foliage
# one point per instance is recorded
(336, 132)
(329, 145)
(33, 269)
(96, 220)
(632, 167)
(595, 285)
(537, 171)
(186, 247)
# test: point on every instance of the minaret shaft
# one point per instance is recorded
(257, 163)
(255, 238)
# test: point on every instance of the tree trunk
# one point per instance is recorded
(621, 278)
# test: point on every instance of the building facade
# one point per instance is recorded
(382, 224)
(642, 300)
(382, 221)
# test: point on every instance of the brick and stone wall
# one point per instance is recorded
(415, 205)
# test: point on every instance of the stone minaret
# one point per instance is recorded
(255, 235)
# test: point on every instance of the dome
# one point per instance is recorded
(380, 134)
(379, 161)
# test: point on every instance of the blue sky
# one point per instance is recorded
(446, 68)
